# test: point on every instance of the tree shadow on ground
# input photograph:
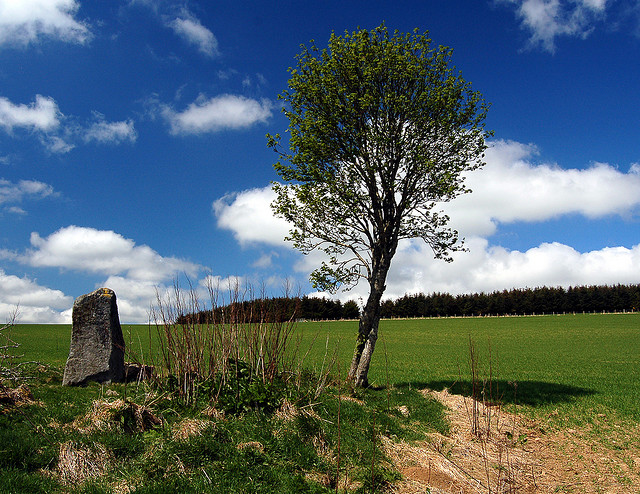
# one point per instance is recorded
(531, 393)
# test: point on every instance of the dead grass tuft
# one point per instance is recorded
(287, 411)
(114, 415)
(319, 478)
(187, 428)
(79, 463)
(20, 396)
(251, 445)
(213, 412)
(351, 399)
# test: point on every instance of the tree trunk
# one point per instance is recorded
(368, 328)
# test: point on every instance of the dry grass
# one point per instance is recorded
(19, 396)
(187, 428)
(78, 463)
(255, 445)
(213, 413)
(287, 411)
(113, 415)
(518, 455)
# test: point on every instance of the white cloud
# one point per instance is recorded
(188, 27)
(223, 290)
(265, 260)
(56, 144)
(110, 132)
(41, 115)
(14, 193)
(248, 215)
(488, 268)
(105, 252)
(44, 118)
(226, 111)
(510, 189)
(134, 272)
(135, 298)
(25, 21)
(36, 304)
(548, 19)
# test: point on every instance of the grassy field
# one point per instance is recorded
(568, 362)
(567, 371)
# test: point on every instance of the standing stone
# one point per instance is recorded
(97, 344)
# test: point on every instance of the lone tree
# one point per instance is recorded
(382, 128)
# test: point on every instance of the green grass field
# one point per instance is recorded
(572, 363)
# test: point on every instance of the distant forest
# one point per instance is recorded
(616, 298)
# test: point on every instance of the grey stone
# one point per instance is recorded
(97, 344)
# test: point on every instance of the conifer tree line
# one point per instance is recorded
(277, 309)
(544, 300)
(516, 302)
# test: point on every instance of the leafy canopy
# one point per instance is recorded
(382, 128)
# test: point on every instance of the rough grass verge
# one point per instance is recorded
(132, 439)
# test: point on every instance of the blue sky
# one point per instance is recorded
(133, 151)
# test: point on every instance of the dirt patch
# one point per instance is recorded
(509, 453)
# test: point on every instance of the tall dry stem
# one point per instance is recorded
(8, 346)
(237, 328)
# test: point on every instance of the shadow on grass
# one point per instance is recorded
(531, 393)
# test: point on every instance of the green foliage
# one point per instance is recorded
(382, 126)
(241, 390)
(14, 480)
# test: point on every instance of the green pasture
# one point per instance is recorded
(585, 363)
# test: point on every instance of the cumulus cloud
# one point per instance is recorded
(135, 298)
(265, 260)
(511, 188)
(222, 112)
(188, 27)
(26, 21)
(14, 193)
(488, 268)
(56, 144)
(105, 252)
(248, 215)
(110, 132)
(41, 115)
(16, 210)
(136, 273)
(548, 19)
(58, 132)
(35, 303)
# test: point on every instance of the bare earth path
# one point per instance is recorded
(514, 454)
